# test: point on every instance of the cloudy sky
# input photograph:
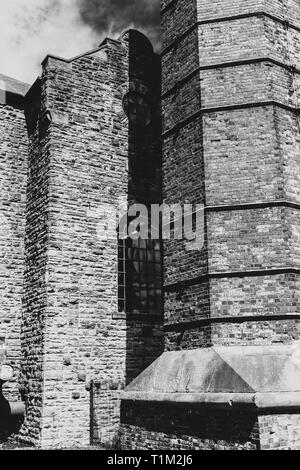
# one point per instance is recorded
(31, 29)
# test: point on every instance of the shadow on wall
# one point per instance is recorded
(143, 303)
(8, 98)
(139, 263)
(2, 92)
(11, 416)
(195, 427)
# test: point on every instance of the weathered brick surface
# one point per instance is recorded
(233, 333)
(82, 273)
(188, 303)
(83, 155)
(245, 155)
(232, 86)
(173, 427)
(280, 432)
(78, 352)
(229, 249)
(13, 168)
(258, 295)
(35, 294)
(232, 156)
(183, 158)
(105, 412)
(287, 9)
(180, 61)
(247, 138)
(176, 20)
(182, 15)
(263, 332)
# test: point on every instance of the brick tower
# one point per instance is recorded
(230, 376)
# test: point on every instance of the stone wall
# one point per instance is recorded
(230, 94)
(36, 258)
(84, 155)
(13, 168)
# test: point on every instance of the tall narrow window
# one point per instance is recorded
(140, 276)
(137, 109)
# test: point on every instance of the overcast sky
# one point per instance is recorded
(31, 29)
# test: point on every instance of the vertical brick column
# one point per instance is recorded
(73, 335)
(183, 166)
(13, 179)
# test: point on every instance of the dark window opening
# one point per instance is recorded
(137, 109)
(140, 276)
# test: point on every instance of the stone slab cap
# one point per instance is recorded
(263, 376)
(11, 85)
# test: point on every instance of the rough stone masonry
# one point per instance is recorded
(73, 350)
(221, 368)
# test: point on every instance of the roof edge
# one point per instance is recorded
(260, 401)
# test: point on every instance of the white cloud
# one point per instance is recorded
(31, 29)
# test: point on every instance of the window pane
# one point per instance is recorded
(140, 284)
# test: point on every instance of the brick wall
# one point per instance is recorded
(36, 241)
(172, 427)
(186, 427)
(231, 139)
(13, 168)
(83, 154)
(280, 431)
